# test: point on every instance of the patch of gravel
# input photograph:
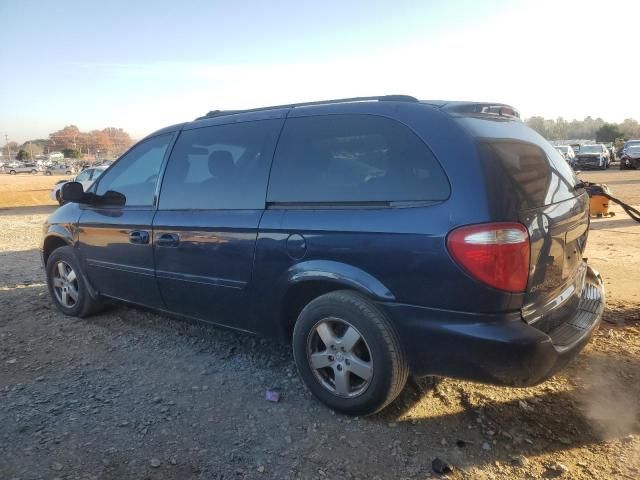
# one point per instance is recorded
(129, 393)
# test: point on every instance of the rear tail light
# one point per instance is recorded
(496, 254)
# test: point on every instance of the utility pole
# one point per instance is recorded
(6, 139)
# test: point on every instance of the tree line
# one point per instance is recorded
(588, 129)
(73, 143)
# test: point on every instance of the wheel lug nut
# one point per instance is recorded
(331, 358)
(339, 367)
(346, 361)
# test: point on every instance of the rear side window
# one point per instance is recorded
(353, 158)
(520, 164)
(220, 167)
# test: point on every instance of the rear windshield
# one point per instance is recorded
(521, 166)
(591, 149)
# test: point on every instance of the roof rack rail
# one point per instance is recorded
(381, 98)
(484, 108)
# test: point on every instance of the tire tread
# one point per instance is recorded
(399, 367)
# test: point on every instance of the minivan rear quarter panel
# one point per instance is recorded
(405, 248)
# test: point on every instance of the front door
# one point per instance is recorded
(211, 201)
(115, 241)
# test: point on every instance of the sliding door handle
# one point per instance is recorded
(168, 240)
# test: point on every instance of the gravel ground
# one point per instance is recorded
(132, 394)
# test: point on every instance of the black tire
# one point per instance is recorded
(12, 172)
(85, 304)
(34, 171)
(387, 359)
(47, 172)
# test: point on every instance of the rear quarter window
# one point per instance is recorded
(353, 159)
(521, 166)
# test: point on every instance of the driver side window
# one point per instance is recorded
(135, 174)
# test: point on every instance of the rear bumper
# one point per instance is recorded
(500, 349)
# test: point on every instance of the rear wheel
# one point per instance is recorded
(34, 171)
(348, 354)
(47, 172)
(67, 285)
(12, 172)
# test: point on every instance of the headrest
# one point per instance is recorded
(221, 163)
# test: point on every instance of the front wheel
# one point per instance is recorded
(47, 172)
(12, 172)
(348, 353)
(67, 285)
(34, 171)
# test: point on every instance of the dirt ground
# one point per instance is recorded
(133, 394)
(25, 190)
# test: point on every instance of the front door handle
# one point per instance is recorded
(139, 237)
(168, 240)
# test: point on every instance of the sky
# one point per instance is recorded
(142, 65)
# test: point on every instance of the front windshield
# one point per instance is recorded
(591, 149)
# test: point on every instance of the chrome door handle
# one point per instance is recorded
(168, 240)
(139, 237)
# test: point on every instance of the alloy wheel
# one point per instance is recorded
(65, 284)
(339, 357)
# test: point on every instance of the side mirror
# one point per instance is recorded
(72, 192)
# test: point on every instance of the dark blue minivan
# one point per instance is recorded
(381, 236)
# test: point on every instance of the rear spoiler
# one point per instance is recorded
(476, 108)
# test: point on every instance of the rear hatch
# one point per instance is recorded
(529, 181)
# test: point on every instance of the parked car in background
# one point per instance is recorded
(631, 157)
(575, 147)
(14, 168)
(85, 178)
(592, 156)
(567, 152)
(626, 145)
(375, 235)
(56, 169)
